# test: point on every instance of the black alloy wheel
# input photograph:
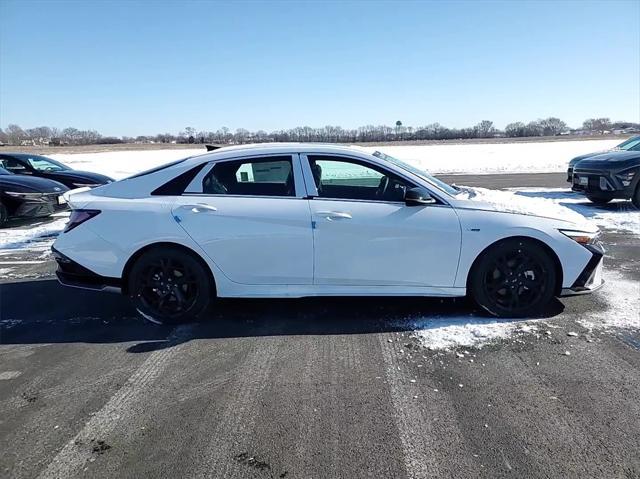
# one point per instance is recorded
(168, 285)
(514, 278)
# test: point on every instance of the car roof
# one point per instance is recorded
(277, 148)
(21, 156)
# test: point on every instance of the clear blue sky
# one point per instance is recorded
(130, 68)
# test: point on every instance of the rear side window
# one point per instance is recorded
(266, 176)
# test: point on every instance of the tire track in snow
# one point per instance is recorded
(77, 452)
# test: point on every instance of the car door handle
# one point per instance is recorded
(199, 208)
(334, 215)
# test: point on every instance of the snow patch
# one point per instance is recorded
(447, 332)
(535, 157)
(121, 164)
(34, 237)
(489, 158)
(622, 297)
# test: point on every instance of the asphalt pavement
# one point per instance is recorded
(311, 388)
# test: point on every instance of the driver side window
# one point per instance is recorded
(342, 178)
(12, 164)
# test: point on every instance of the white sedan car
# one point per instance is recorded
(294, 220)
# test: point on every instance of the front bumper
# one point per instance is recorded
(600, 183)
(72, 274)
(590, 279)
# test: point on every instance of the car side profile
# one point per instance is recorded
(45, 167)
(295, 220)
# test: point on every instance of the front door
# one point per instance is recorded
(364, 234)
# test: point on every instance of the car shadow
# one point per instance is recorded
(44, 312)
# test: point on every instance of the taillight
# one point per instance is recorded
(78, 217)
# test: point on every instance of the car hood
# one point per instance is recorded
(80, 176)
(615, 160)
(510, 202)
(582, 157)
(31, 183)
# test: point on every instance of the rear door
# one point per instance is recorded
(364, 233)
(250, 218)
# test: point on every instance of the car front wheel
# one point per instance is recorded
(169, 285)
(514, 278)
(599, 200)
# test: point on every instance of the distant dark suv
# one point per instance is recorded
(632, 144)
(603, 177)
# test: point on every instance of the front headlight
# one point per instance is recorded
(27, 196)
(626, 177)
(582, 237)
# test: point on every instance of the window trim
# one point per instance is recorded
(312, 192)
(298, 181)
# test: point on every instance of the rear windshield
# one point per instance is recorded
(157, 168)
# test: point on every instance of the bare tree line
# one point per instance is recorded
(44, 135)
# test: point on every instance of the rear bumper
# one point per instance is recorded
(590, 279)
(72, 274)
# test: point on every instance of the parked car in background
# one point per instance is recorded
(603, 177)
(44, 167)
(632, 144)
(294, 220)
(27, 197)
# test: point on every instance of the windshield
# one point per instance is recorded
(447, 188)
(4, 172)
(44, 164)
(632, 144)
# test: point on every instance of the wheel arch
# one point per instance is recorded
(552, 254)
(164, 244)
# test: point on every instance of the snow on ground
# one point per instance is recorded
(622, 296)
(443, 332)
(37, 236)
(448, 332)
(120, 164)
(488, 158)
(619, 215)
(481, 158)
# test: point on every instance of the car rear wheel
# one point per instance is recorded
(598, 200)
(514, 278)
(4, 215)
(169, 285)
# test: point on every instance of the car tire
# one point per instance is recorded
(598, 200)
(635, 199)
(514, 278)
(169, 285)
(4, 215)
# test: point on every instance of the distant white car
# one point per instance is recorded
(294, 220)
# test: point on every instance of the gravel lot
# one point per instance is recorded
(323, 388)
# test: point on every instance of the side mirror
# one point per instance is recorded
(418, 197)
